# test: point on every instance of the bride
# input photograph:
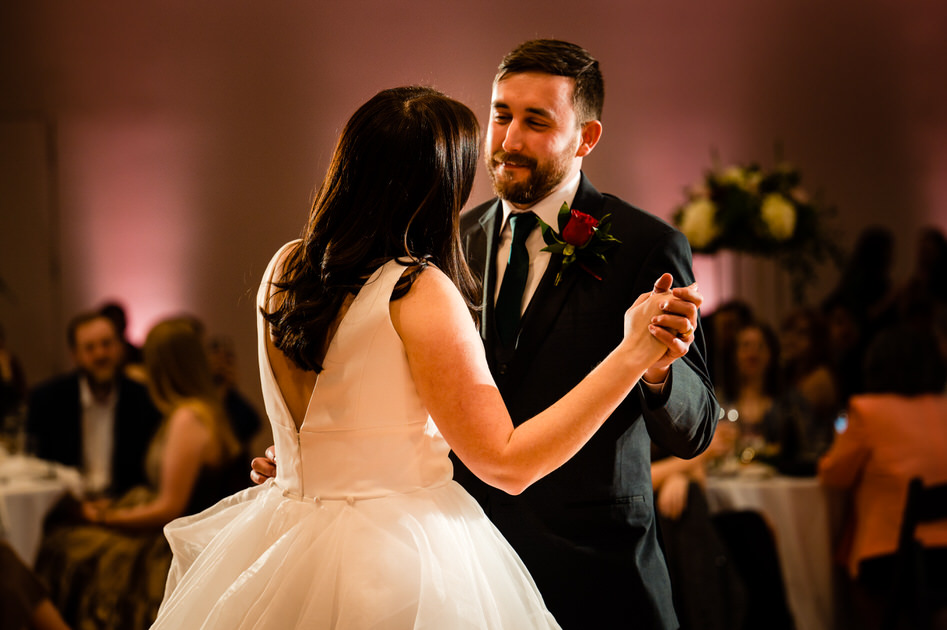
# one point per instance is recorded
(372, 370)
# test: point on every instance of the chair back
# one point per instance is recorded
(913, 594)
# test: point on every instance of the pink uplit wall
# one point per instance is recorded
(139, 229)
(179, 142)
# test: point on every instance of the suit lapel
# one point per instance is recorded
(489, 233)
(547, 302)
(72, 432)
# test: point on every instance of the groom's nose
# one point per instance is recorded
(513, 137)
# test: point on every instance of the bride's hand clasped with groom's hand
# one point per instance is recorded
(673, 323)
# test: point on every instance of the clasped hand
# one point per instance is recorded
(673, 319)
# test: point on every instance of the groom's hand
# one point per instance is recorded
(263, 468)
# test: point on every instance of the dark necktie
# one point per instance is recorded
(510, 298)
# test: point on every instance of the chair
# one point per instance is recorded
(708, 591)
(914, 595)
(751, 545)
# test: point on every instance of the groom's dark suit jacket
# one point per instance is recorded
(55, 424)
(586, 532)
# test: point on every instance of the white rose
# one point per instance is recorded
(732, 175)
(779, 215)
(698, 222)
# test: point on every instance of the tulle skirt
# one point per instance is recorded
(426, 559)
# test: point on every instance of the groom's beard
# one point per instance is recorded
(542, 180)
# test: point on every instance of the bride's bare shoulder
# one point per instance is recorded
(432, 301)
(432, 284)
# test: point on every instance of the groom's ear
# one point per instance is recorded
(591, 132)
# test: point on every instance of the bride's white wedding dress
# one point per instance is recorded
(363, 526)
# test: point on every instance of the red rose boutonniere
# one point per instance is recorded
(581, 239)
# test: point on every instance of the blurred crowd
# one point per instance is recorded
(156, 432)
(852, 390)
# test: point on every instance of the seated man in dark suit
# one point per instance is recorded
(94, 418)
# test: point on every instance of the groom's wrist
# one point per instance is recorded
(654, 387)
(655, 378)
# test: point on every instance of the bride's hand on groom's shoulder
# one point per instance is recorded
(263, 468)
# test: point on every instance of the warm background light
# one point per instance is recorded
(159, 152)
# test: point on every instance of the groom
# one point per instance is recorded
(586, 532)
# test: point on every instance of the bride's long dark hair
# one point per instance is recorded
(401, 172)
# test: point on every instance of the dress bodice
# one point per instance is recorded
(365, 433)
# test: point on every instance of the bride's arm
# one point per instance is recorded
(450, 370)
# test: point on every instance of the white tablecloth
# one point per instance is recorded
(28, 489)
(801, 513)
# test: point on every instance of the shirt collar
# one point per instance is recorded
(87, 400)
(547, 208)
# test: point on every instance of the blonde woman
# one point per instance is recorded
(194, 443)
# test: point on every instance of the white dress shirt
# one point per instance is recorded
(546, 209)
(98, 437)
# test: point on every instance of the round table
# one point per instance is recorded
(28, 489)
(802, 515)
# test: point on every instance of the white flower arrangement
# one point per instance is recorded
(747, 209)
(698, 222)
(779, 215)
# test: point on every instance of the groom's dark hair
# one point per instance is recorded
(556, 57)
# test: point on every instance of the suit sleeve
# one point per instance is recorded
(39, 427)
(683, 422)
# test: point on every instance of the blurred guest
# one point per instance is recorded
(94, 418)
(866, 283)
(847, 341)
(244, 419)
(751, 548)
(110, 572)
(721, 327)
(671, 476)
(707, 590)
(807, 369)
(897, 430)
(939, 329)
(132, 357)
(773, 422)
(12, 380)
(725, 570)
(752, 384)
(24, 601)
(194, 443)
(926, 289)
(930, 269)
